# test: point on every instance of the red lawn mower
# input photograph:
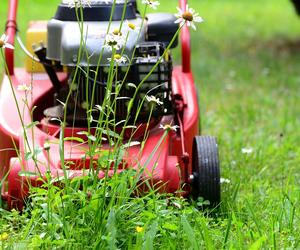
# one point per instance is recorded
(183, 160)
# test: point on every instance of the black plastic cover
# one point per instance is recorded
(161, 28)
(97, 12)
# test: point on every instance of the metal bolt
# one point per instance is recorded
(74, 59)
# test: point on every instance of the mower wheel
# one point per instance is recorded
(206, 170)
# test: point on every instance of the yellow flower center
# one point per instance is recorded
(188, 16)
(139, 229)
(84, 105)
(117, 32)
(131, 26)
(117, 56)
(168, 127)
(3, 236)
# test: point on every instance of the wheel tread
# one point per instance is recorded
(206, 169)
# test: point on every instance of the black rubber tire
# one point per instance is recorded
(297, 5)
(206, 170)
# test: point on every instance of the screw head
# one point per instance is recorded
(74, 58)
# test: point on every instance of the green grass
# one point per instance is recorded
(246, 62)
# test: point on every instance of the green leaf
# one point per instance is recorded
(129, 107)
(258, 244)
(109, 133)
(150, 236)
(132, 85)
(170, 226)
(28, 156)
(83, 133)
(37, 150)
(130, 127)
(74, 139)
(27, 174)
(189, 232)
(131, 144)
(31, 125)
(150, 215)
(88, 135)
(92, 138)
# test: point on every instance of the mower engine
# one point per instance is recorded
(78, 42)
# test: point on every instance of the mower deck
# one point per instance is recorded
(163, 166)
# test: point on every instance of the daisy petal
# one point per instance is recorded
(9, 46)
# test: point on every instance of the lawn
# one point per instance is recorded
(246, 62)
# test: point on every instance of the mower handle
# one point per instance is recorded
(185, 43)
(11, 28)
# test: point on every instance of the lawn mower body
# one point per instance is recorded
(168, 163)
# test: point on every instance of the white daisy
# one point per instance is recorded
(247, 150)
(169, 127)
(188, 16)
(117, 32)
(114, 41)
(152, 3)
(224, 180)
(132, 27)
(4, 42)
(47, 146)
(23, 87)
(118, 59)
(77, 3)
(153, 99)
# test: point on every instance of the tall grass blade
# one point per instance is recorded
(188, 230)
